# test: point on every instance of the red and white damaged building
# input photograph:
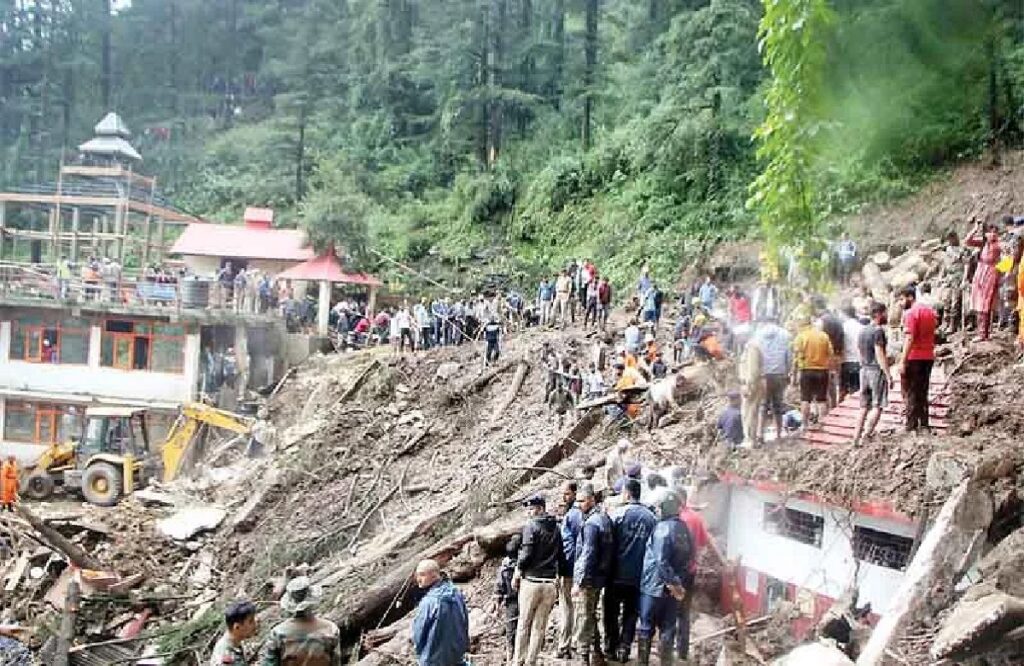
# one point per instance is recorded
(797, 547)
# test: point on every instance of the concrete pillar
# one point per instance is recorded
(3, 228)
(76, 221)
(242, 355)
(371, 305)
(3, 416)
(5, 342)
(160, 239)
(323, 310)
(191, 366)
(95, 338)
(120, 228)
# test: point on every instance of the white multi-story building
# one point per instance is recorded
(56, 359)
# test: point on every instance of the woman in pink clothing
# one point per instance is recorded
(986, 277)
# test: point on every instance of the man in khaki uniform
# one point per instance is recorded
(751, 393)
(304, 639)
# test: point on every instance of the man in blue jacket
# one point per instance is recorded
(632, 525)
(666, 562)
(440, 632)
(572, 522)
(594, 550)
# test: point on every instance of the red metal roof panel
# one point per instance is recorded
(327, 267)
(232, 241)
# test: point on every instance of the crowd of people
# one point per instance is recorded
(625, 554)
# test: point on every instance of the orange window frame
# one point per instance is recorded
(150, 337)
(33, 352)
(41, 413)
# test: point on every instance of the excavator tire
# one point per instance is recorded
(102, 484)
(39, 486)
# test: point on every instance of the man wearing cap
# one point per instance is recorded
(440, 630)
(240, 624)
(594, 550)
(666, 563)
(304, 638)
(572, 522)
(632, 524)
(536, 579)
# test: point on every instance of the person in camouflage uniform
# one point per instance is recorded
(953, 283)
(304, 639)
(240, 624)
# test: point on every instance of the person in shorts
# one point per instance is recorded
(875, 379)
(813, 351)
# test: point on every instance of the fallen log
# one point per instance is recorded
(563, 448)
(966, 513)
(395, 591)
(374, 509)
(475, 386)
(56, 540)
(517, 383)
(67, 625)
(414, 441)
(358, 383)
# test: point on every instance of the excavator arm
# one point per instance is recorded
(183, 433)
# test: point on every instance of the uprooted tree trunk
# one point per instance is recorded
(475, 386)
(67, 625)
(517, 383)
(565, 447)
(56, 540)
(394, 591)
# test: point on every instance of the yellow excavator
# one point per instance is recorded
(113, 456)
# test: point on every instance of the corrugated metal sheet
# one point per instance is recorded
(103, 656)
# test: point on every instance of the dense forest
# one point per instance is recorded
(519, 131)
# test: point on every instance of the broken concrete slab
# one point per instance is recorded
(151, 497)
(814, 654)
(187, 523)
(977, 625)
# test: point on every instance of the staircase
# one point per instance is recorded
(840, 425)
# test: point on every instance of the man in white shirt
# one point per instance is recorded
(403, 322)
(849, 372)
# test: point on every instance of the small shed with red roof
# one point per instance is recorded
(254, 244)
(326, 270)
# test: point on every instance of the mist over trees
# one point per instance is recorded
(518, 130)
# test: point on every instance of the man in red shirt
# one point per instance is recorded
(700, 538)
(919, 323)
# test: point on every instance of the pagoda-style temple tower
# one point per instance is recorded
(97, 206)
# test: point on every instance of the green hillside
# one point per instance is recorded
(509, 134)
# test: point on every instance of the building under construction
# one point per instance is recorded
(98, 206)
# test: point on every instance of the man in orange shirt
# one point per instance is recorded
(813, 353)
(9, 484)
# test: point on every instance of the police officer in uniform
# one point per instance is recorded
(666, 563)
